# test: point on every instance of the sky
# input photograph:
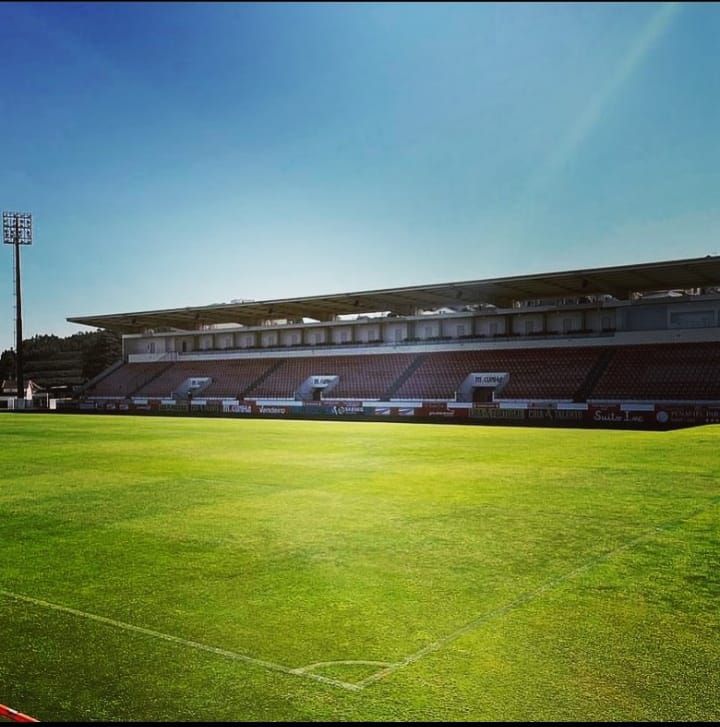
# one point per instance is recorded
(195, 153)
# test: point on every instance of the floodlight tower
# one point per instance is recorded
(17, 231)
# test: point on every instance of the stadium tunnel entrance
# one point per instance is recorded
(480, 388)
(482, 394)
(313, 388)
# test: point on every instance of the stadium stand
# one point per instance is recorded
(534, 374)
(664, 372)
(673, 372)
(126, 380)
(574, 340)
(229, 378)
(359, 376)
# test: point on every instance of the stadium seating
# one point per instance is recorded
(126, 380)
(683, 372)
(364, 376)
(230, 378)
(550, 373)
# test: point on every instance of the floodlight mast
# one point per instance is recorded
(17, 230)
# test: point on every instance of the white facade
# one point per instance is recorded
(586, 324)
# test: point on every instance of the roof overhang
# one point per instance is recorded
(620, 282)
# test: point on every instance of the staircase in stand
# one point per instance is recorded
(594, 375)
(261, 379)
(152, 378)
(102, 375)
(404, 376)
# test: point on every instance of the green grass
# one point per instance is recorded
(560, 574)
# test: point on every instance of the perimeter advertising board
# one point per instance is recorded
(645, 416)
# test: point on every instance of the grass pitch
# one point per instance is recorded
(187, 569)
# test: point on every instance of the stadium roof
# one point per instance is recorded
(619, 281)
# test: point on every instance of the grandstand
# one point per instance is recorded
(636, 342)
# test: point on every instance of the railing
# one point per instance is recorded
(153, 357)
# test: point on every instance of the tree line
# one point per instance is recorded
(94, 351)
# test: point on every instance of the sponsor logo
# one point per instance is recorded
(273, 410)
(551, 413)
(538, 413)
(323, 380)
(487, 413)
(612, 416)
(406, 411)
(685, 414)
(493, 379)
(341, 409)
(576, 414)
(238, 408)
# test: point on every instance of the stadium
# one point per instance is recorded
(259, 463)
(635, 345)
(197, 557)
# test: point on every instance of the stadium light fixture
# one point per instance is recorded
(17, 228)
(17, 231)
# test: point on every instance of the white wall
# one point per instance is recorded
(291, 337)
(224, 340)
(620, 338)
(245, 340)
(427, 329)
(484, 326)
(394, 332)
(450, 327)
(341, 334)
(269, 338)
(314, 336)
(564, 322)
(148, 344)
(367, 332)
(678, 315)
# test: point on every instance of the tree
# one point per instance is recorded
(68, 360)
(7, 365)
(102, 351)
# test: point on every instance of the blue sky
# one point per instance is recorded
(185, 154)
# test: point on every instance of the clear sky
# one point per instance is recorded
(187, 154)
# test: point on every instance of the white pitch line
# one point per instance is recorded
(390, 668)
(523, 599)
(343, 662)
(269, 665)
